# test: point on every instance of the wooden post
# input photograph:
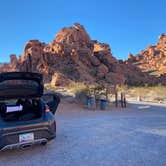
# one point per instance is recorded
(125, 101)
(107, 92)
(121, 100)
(116, 99)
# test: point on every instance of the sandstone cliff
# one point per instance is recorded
(74, 56)
(152, 61)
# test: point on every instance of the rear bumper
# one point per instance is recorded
(9, 139)
(25, 144)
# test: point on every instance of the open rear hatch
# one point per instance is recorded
(20, 94)
(20, 85)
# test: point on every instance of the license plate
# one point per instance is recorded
(26, 137)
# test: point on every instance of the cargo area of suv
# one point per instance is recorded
(21, 109)
(20, 96)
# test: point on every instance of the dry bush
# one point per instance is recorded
(154, 94)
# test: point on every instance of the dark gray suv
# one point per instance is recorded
(26, 114)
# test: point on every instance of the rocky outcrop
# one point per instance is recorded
(73, 56)
(13, 60)
(5, 67)
(153, 57)
(102, 70)
(59, 79)
(11, 66)
(151, 62)
(75, 34)
(131, 58)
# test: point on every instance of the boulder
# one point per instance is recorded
(76, 33)
(102, 70)
(115, 78)
(59, 79)
(94, 61)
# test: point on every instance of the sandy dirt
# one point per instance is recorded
(132, 136)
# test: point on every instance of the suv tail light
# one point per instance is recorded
(53, 126)
(47, 109)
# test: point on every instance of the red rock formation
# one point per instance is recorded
(151, 62)
(5, 67)
(72, 55)
(153, 57)
(74, 34)
(59, 79)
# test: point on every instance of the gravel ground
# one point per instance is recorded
(123, 137)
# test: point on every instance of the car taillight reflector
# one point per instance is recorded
(47, 108)
(53, 126)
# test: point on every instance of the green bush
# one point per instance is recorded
(81, 96)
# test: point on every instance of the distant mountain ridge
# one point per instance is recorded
(74, 56)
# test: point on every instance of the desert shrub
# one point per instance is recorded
(98, 91)
(80, 90)
(77, 86)
(149, 93)
(81, 96)
(123, 88)
(48, 87)
(158, 92)
(140, 91)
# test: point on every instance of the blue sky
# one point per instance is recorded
(127, 25)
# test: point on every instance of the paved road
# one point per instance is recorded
(101, 138)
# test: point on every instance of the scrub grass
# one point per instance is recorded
(152, 94)
(80, 91)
